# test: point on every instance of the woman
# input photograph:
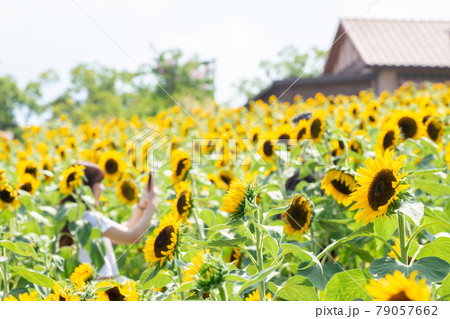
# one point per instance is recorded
(113, 233)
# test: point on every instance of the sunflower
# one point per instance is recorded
(254, 134)
(339, 185)
(80, 275)
(355, 146)
(47, 167)
(2, 176)
(234, 199)
(388, 139)
(396, 287)
(180, 163)
(112, 164)
(197, 261)
(235, 257)
(434, 129)
(60, 294)
(225, 177)
(254, 296)
(127, 191)
(8, 196)
(61, 151)
(267, 147)
(71, 179)
(316, 126)
(337, 148)
(409, 123)
(300, 131)
(298, 217)
(111, 291)
(71, 142)
(283, 134)
(28, 183)
(164, 242)
(23, 297)
(353, 110)
(181, 205)
(380, 184)
(27, 167)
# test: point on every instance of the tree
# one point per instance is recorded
(291, 63)
(97, 91)
(13, 98)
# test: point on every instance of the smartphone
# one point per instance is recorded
(149, 182)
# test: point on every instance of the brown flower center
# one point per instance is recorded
(297, 215)
(180, 167)
(388, 139)
(114, 294)
(6, 196)
(316, 128)
(408, 126)
(301, 133)
(381, 190)
(31, 170)
(181, 203)
(401, 296)
(434, 129)
(341, 187)
(111, 166)
(268, 148)
(128, 191)
(163, 241)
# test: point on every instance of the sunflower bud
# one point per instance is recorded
(211, 274)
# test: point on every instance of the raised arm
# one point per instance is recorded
(138, 223)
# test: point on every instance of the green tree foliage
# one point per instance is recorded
(291, 63)
(13, 98)
(97, 91)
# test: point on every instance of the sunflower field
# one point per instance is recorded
(323, 199)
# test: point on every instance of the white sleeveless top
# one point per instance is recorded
(109, 268)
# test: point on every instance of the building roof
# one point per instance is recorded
(400, 43)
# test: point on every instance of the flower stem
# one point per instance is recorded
(223, 295)
(180, 277)
(5, 274)
(259, 254)
(401, 234)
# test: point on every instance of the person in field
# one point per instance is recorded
(130, 232)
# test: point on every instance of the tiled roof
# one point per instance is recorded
(403, 43)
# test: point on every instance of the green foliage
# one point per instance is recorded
(291, 63)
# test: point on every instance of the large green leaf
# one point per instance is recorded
(413, 210)
(298, 293)
(271, 245)
(160, 280)
(433, 269)
(432, 187)
(33, 277)
(12, 247)
(385, 227)
(82, 230)
(440, 247)
(347, 286)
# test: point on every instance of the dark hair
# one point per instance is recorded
(93, 174)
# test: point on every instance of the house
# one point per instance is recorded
(375, 54)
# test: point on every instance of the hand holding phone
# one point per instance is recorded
(149, 181)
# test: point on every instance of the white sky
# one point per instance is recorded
(57, 34)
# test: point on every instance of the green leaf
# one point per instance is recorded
(185, 286)
(82, 231)
(33, 277)
(363, 231)
(385, 227)
(97, 252)
(63, 211)
(320, 275)
(444, 289)
(12, 247)
(231, 224)
(432, 188)
(298, 252)
(276, 211)
(208, 216)
(160, 280)
(440, 247)
(433, 269)
(258, 277)
(426, 171)
(29, 251)
(347, 286)
(234, 242)
(271, 246)
(413, 210)
(298, 293)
